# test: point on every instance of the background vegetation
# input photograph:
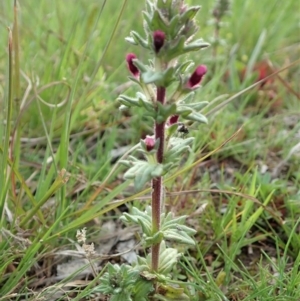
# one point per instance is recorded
(65, 116)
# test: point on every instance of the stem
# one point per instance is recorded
(157, 182)
(16, 135)
(216, 37)
(6, 114)
(16, 58)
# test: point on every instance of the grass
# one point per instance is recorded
(243, 197)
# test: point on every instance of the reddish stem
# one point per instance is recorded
(157, 182)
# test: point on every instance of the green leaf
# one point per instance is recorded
(173, 27)
(131, 173)
(118, 281)
(168, 257)
(175, 230)
(164, 111)
(189, 14)
(183, 110)
(139, 40)
(177, 146)
(142, 67)
(163, 4)
(160, 79)
(185, 66)
(143, 175)
(171, 130)
(155, 239)
(188, 97)
(158, 22)
(172, 293)
(120, 297)
(141, 218)
(178, 236)
(131, 41)
(151, 76)
(195, 46)
(142, 289)
(128, 101)
(158, 171)
(196, 117)
(176, 49)
(147, 18)
(197, 106)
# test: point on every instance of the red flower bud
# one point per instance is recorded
(196, 78)
(132, 68)
(173, 119)
(150, 143)
(158, 40)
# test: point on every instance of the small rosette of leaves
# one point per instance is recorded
(124, 283)
(172, 228)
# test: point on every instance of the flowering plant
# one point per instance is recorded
(169, 34)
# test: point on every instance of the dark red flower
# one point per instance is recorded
(196, 78)
(150, 143)
(132, 68)
(158, 40)
(173, 119)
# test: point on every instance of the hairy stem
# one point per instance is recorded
(157, 188)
